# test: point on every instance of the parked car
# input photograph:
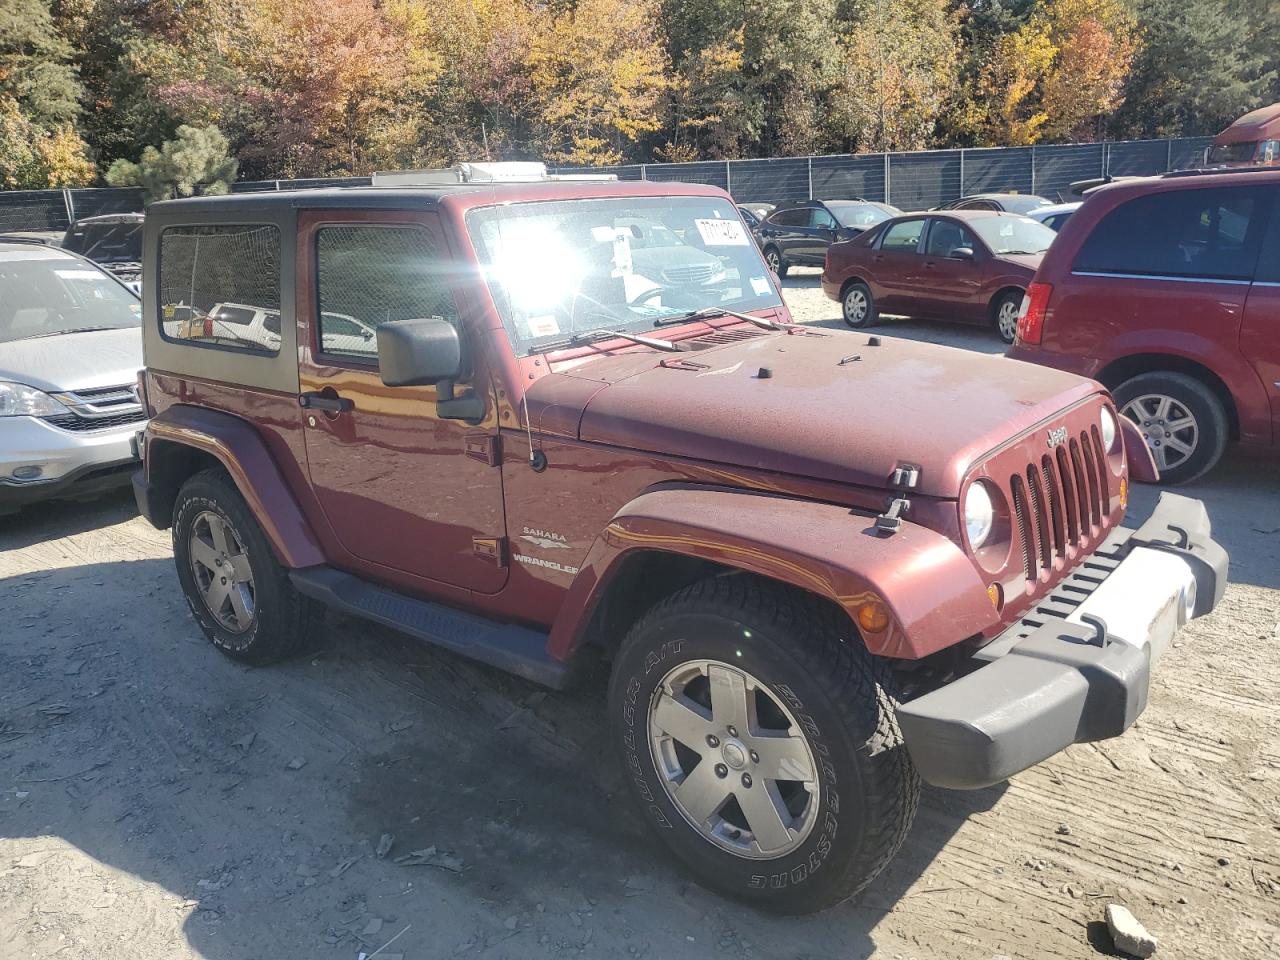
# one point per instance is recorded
(52, 238)
(1022, 203)
(70, 352)
(798, 232)
(808, 605)
(1055, 215)
(1167, 290)
(969, 265)
(757, 208)
(749, 217)
(113, 241)
(1252, 140)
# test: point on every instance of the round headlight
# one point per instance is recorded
(1107, 424)
(979, 514)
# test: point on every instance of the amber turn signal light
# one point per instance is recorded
(873, 616)
(1124, 492)
(993, 594)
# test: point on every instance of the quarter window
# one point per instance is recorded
(368, 275)
(1205, 234)
(903, 237)
(220, 285)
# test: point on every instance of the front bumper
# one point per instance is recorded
(70, 463)
(1077, 667)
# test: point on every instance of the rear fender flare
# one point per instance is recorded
(241, 450)
(934, 595)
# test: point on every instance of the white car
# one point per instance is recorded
(70, 351)
(1055, 216)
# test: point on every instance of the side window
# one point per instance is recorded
(945, 236)
(790, 218)
(1210, 233)
(367, 275)
(219, 284)
(1269, 261)
(903, 237)
(821, 219)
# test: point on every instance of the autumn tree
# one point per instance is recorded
(899, 65)
(1053, 77)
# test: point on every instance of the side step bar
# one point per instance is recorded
(515, 649)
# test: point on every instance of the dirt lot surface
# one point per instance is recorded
(159, 802)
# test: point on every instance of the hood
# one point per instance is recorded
(1028, 261)
(901, 402)
(74, 361)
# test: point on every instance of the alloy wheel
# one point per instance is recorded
(855, 306)
(1007, 319)
(1168, 427)
(220, 565)
(733, 759)
(773, 260)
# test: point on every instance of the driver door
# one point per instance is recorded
(950, 286)
(403, 489)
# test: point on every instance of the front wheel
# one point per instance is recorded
(1182, 421)
(773, 259)
(759, 738)
(1004, 314)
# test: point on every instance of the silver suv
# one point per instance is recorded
(70, 351)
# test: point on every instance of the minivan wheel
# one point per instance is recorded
(759, 739)
(1004, 314)
(858, 306)
(773, 259)
(237, 591)
(1181, 419)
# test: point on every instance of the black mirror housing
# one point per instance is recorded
(418, 352)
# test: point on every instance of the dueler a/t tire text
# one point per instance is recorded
(812, 662)
(283, 621)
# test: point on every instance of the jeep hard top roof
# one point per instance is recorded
(470, 195)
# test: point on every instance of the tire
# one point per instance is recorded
(1173, 411)
(1004, 314)
(855, 295)
(280, 621)
(773, 259)
(820, 684)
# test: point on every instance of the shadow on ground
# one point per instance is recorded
(254, 799)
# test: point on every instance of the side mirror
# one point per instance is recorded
(416, 352)
(961, 253)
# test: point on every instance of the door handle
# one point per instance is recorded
(329, 404)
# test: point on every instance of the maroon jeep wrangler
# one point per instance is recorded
(544, 422)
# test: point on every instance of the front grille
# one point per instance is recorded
(1060, 501)
(78, 424)
(690, 273)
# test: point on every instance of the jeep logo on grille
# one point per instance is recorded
(1058, 435)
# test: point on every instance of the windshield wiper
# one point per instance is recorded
(710, 313)
(589, 336)
(58, 333)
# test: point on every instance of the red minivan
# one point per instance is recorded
(1167, 290)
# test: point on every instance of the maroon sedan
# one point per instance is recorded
(971, 265)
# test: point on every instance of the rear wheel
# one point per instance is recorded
(1182, 421)
(1004, 314)
(773, 258)
(858, 306)
(759, 738)
(238, 592)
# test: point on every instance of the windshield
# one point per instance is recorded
(860, 214)
(46, 292)
(566, 267)
(114, 242)
(1015, 235)
(1233, 152)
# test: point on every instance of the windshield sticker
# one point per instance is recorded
(544, 326)
(760, 285)
(722, 233)
(79, 274)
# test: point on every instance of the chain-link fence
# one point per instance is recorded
(911, 181)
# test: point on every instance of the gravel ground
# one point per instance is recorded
(159, 802)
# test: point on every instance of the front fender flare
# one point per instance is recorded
(932, 590)
(244, 455)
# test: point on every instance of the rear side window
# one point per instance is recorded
(220, 286)
(1209, 234)
(903, 237)
(369, 275)
(790, 218)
